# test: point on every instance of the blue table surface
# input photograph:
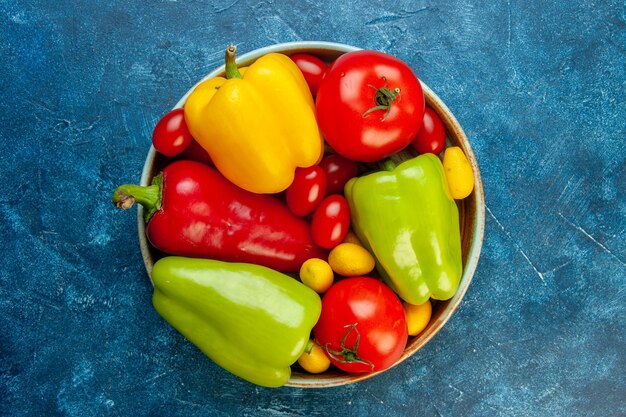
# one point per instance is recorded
(539, 88)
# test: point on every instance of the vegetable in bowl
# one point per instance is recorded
(339, 169)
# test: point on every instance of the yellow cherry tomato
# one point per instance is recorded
(417, 316)
(458, 172)
(315, 361)
(317, 274)
(351, 237)
(351, 260)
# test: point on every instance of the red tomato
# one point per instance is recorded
(331, 221)
(312, 68)
(363, 326)
(338, 171)
(306, 191)
(369, 105)
(432, 136)
(196, 152)
(171, 135)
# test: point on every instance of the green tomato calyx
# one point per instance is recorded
(348, 355)
(383, 99)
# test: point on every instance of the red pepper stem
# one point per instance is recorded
(231, 65)
(126, 195)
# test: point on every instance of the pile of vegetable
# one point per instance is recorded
(304, 213)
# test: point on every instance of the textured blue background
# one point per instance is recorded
(539, 87)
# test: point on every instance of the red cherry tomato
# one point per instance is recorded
(363, 326)
(312, 68)
(196, 152)
(432, 136)
(338, 171)
(306, 191)
(331, 221)
(369, 105)
(171, 135)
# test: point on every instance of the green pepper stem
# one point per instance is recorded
(388, 165)
(231, 65)
(126, 195)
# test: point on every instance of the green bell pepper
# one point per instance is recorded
(251, 320)
(409, 221)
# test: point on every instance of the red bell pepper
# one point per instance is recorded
(192, 210)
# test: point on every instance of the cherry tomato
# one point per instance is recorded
(432, 136)
(171, 135)
(331, 221)
(369, 105)
(314, 361)
(362, 327)
(306, 191)
(196, 152)
(312, 68)
(338, 171)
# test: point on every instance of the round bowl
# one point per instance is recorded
(471, 213)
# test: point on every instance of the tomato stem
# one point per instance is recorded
(309, 346)
(126, 195)
(383, 99)
(348, 355)
(231, 65)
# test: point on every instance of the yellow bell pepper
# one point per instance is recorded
(458, 171)
(257, 123)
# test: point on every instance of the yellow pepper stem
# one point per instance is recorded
(231, 65)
